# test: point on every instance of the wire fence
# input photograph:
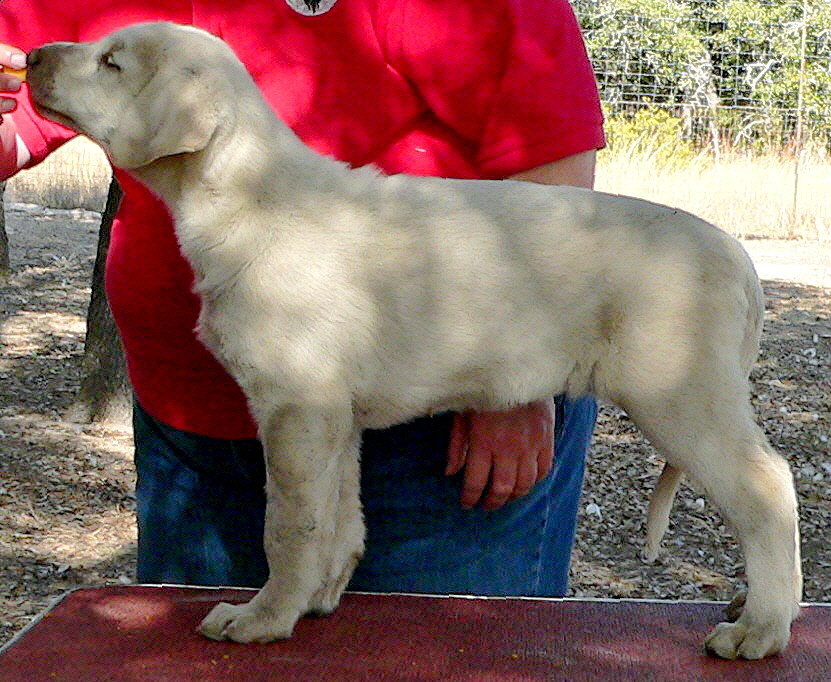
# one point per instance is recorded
(727, 104)
(720, 107)
(736, 74)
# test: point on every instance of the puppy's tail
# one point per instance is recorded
(660, 504)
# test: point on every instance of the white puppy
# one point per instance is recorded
(341, 300)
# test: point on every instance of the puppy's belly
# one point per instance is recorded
(504, 386)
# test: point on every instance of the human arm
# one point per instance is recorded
(508, 452)
(576, 170)
(13, 152)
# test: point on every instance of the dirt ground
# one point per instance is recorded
(66, 502)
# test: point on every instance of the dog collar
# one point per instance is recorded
(311, 8)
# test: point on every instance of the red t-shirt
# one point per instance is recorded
(475, 89)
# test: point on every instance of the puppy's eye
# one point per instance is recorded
(108, 62)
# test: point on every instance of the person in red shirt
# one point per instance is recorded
(477, 89)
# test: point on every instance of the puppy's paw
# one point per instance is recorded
(247, 623)
(327, 598)
(743, 640)
(649, 554)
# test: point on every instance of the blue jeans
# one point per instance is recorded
(201, 505)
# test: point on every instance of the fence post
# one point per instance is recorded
(800, 104)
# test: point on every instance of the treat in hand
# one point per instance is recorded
(20, 74)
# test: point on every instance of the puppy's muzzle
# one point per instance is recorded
(43, 64)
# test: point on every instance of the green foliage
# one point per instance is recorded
(639, 48)
(650, 133)
(737, 64)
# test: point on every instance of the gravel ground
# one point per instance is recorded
(66, 504)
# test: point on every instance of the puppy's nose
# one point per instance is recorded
(34, 57)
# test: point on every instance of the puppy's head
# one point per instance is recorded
(145, 92)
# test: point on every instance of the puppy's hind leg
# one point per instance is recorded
(714, 439)
(766, 522)
(302, 447)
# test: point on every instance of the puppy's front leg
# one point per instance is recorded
(302, 448)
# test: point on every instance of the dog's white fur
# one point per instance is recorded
(340, 300)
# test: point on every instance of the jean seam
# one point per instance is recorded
(559, 426)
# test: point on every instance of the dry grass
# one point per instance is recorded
(75, 176)
(746, 196)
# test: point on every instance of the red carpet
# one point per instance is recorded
(147, 633)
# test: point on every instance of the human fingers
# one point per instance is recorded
(457, 448)
(478, 465)
(545, 462)
(522, 451)
(513, 475)
(8, 84)
(12, 56)
(527, 474)
(12, 61)
(545, 451)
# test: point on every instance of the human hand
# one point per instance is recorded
(513, 450)
(12, 58)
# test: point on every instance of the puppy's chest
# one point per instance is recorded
(214, 331)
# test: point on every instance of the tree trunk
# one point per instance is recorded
(4, 238)
(105, 394)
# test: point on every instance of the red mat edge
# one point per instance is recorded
(217, 588)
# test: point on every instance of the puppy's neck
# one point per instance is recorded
(254, 182)
(253, 161)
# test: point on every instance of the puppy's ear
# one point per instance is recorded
(171, 116)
